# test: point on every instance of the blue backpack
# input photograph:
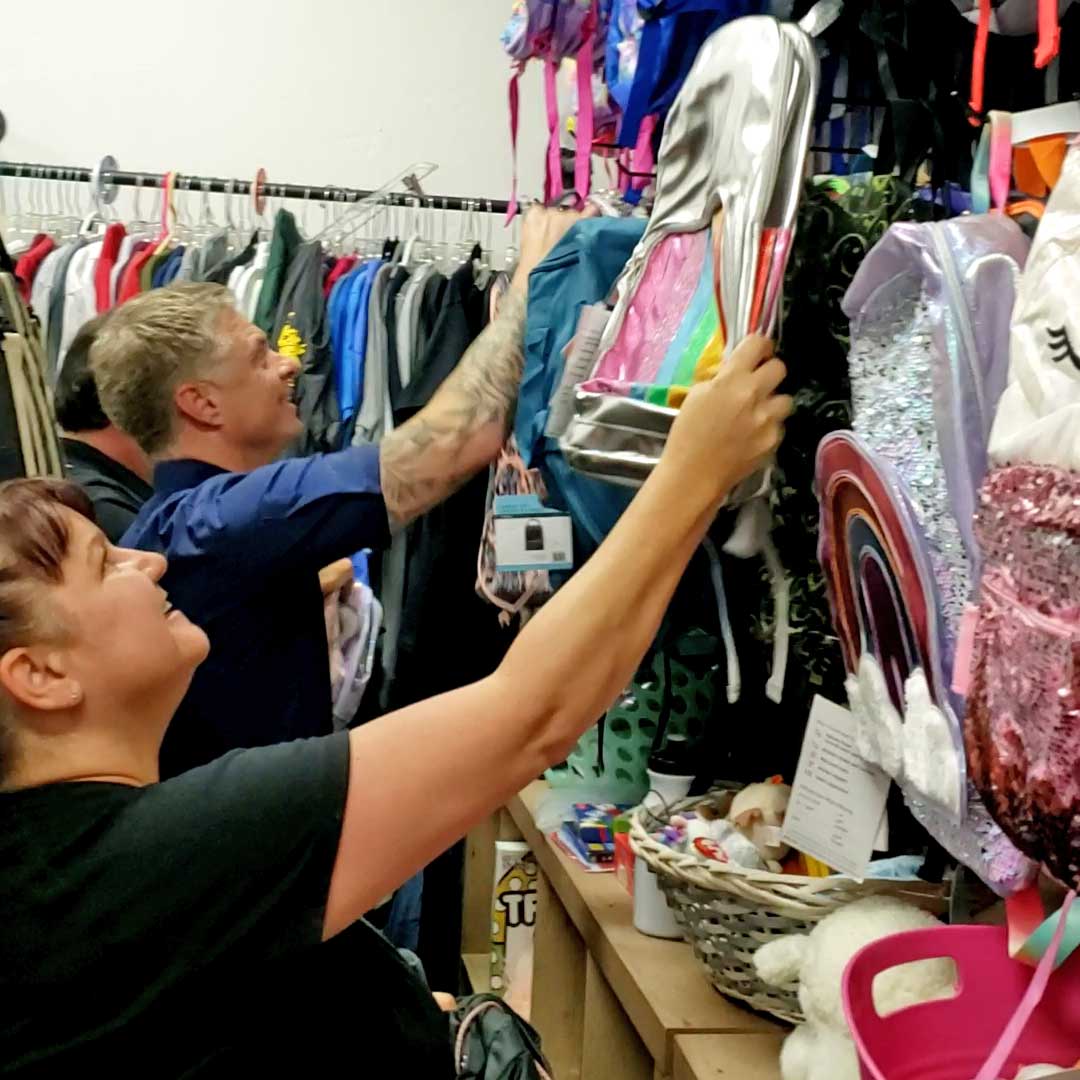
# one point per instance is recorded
(580, 270)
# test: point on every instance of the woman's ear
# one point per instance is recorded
(36, 677)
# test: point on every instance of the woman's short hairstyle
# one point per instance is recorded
(34, 541)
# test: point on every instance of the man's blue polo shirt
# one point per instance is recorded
(244, 551)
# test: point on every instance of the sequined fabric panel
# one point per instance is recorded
(1022, 729)
(1028, 526)
(978, 843)
(891, 378)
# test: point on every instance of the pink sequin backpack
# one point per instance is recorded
(1022, 726)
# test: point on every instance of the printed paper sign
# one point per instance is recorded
(837, 799)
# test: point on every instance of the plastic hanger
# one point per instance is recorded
(232, 226)
(207, 223)
(324, 205)
(514, 247)
(411, 235)
(14, 222)
(425, 227)
(38, 200)
(274, 209)
(482, 266)
(137, 225)
(182, 226)
(168, 214)
(60, 219)
(257, 205)
(305, 227)
(364, 209)
(46, 216)
(465, 224)
(68, 216)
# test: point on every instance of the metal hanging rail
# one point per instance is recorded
(266, 188)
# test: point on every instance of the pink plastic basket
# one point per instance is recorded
(951, 1040)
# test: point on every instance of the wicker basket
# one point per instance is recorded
(727, 913)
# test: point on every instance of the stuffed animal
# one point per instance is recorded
(822, 1047)
(718, 839)
(758, 813)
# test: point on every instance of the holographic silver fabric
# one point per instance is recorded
(890, 363)
(736, 138)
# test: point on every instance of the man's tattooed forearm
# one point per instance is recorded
(463, 426)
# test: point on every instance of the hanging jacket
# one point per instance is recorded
(211, 255)
(373, 417)
(57, 298)
(219, 274)
(283, 247)
(131, 276)
(103, 269)
(300, 330)
(30, 262)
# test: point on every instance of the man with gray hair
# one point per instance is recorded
(203, 393)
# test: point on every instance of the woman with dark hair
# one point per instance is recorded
(211, 924)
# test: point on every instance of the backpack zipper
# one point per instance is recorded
(958, 307)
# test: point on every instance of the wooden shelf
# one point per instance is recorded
(478, 969)
(727, 1057)
(657, 983)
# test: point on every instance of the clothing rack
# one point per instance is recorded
(266, 188)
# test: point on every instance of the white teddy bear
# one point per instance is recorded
(822, 1047)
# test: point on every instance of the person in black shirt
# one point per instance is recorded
(210, 925)
(105, 462)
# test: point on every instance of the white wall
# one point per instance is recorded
(318, 92)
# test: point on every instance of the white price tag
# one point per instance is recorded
(837, 799)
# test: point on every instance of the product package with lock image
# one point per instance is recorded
(513, 914)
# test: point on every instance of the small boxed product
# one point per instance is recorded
(624, 861)
(513, 912)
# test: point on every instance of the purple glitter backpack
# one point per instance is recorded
(929, 310)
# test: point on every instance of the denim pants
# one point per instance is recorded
(403, 923)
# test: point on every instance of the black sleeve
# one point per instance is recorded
(233, 857)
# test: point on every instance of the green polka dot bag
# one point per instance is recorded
(672, 694)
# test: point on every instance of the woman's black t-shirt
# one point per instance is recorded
(175, 931)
